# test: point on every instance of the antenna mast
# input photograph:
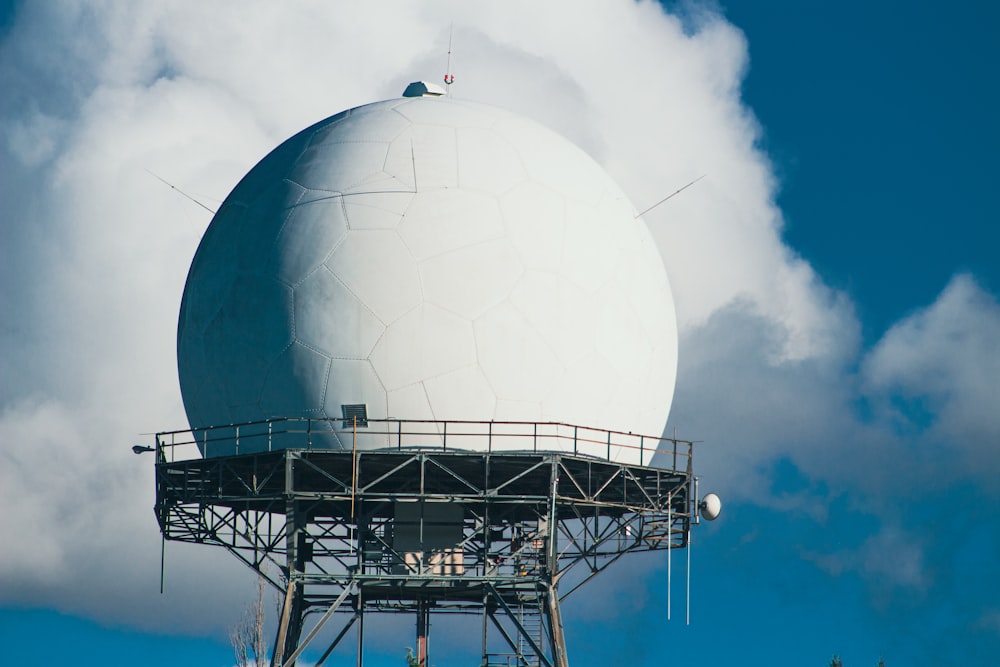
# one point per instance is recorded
(449, 78)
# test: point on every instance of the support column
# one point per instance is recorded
(485, 628)
(290, 622)
(559, 657)
(423, 632)
(361, 627)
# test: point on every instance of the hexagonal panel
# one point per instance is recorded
(452, 113)
(379, 123)
(471, 280)
(381, 210)
(560, 311)
(488, 162)
(440, 221)
(338, 166)
(213, 270)
(435, 156)
(399, 160)
(591, 253)
(377, 267)
(310, 233)
(582, 395)
(296, 383)
(262, 223)
(251, 329)
(424, 343)
(535, 219)
(553, 162)
(329, 318)
(463, 394)
(620, 336)
(515, 359)
(409, 402)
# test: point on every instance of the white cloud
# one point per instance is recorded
(938, 370)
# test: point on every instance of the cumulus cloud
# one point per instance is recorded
(935, 374)
(96, 252)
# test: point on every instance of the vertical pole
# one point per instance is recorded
(423, 632)
(559, 658)
(163, 558)
(688, 593)
(354, 465)
(670, 550)
(290, 622)
(361, 627)
(362, 529)
(485, 598)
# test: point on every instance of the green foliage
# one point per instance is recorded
(835, 661)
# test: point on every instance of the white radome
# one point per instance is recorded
(433, 259)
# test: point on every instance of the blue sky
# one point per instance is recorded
(835, 273)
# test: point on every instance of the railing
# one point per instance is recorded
(418, 434)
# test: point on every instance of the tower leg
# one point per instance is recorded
(485, 629)
(423, 632)
(361, 628)
(290, 624)
(559, 658)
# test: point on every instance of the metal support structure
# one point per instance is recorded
(423, 632)
(427, 531)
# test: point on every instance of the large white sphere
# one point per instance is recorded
(433, 259)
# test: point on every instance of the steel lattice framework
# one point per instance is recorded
(352, 532)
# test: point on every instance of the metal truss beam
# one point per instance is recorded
(330, 522)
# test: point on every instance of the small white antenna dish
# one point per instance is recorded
(710, 507)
